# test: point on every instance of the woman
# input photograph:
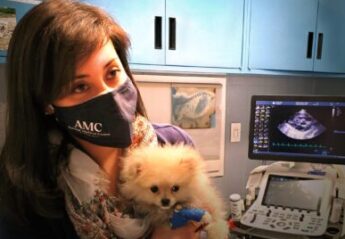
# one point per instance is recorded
(73, 110)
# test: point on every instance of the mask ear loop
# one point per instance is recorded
(49, 110)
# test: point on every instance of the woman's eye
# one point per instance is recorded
(112, 73)
(80, 88)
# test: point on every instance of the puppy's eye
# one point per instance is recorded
(154, 189)
(175, 188)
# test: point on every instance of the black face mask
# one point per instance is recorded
(105, 120)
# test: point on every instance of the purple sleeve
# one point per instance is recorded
(171, 134)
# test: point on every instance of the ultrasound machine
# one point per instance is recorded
(302, 192)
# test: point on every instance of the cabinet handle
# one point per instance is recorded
(158, 32)
(310, 44)
(172, 33)
(319, 46)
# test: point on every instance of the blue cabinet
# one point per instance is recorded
(142, 20)
(297, 35)
(208, 33)
(181, 32)
(330, 52)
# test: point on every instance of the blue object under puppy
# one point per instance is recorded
(182, 216)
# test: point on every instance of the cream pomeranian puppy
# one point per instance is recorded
(160, 179)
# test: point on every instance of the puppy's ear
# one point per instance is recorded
(134, 170)
(189, 163)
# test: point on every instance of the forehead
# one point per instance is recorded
(99, 57)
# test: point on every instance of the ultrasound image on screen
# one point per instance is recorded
(306, 130)
(301, 126)
(297, 193)
(298, 129)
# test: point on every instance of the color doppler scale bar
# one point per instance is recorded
(295, 145)
(299, 103)
(296, 154)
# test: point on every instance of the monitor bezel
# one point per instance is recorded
(297, 158)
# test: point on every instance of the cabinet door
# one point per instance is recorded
(280, 32)
(330, 56)
(207, 33)
(138, 18)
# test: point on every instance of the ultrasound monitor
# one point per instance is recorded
(297, 128)
(306, 192)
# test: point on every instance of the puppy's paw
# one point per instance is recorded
(178, 207)
(217, 230)
(206, 219)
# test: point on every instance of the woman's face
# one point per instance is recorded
(100, 73)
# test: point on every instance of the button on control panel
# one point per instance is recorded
(293, 221)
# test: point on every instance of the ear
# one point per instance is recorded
(49, 110)
(133, 170)
(189, 163)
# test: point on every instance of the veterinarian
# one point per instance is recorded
(73, 111)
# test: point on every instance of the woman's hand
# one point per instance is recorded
(185, 232)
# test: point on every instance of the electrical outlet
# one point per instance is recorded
(235, 132)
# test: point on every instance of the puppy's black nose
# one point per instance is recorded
(165, 202)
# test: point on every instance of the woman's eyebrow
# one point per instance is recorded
(113, 60)
(81, 76)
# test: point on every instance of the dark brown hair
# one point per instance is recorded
(44, 49)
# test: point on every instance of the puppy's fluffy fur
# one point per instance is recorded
(159, 178)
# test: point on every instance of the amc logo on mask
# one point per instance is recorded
(88, 126)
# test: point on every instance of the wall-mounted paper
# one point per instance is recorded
(28, 1)
(7, 25)
(193, 107)
(196, 103)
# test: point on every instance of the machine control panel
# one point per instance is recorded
(286, 220)
(291, 203)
